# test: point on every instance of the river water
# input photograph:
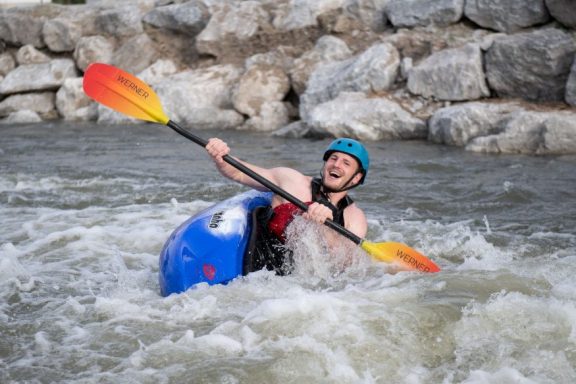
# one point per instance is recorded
(86, 209)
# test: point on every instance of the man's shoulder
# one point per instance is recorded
(354, 209)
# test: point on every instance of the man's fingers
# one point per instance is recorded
(318, 213)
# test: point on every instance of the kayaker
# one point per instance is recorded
(345, 166)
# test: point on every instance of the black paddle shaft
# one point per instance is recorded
(265, 182)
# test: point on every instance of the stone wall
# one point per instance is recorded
(487, 75)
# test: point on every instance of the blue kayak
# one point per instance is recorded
(210, 247)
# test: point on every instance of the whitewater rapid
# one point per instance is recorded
(86, 210)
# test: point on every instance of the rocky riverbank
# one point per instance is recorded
(487, 75)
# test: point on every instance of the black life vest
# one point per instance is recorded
(266, 250)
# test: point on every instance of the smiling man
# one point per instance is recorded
(346, 164)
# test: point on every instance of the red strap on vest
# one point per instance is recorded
(283, 215)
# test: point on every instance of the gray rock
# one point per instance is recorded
(20, 27)
(46, 76)
(73, 104)
(120, 22)
(414, 13)
(7, 63)
(174, 27)
(93, 49)
(40, 103)
(327, 49)
(232, 29)
(559, 134)
(258, 85)
(82, 17)
(305, 14)
(564, 11)
(202, 98)
(189, 18)
(506, 15)
(374, 70)
(532, 133)
(273, 115)
(459, 124)
(30, 55)
(61, 35)
(136, 54)
(24, 116)
(158, 71)
(532, 65)
(451, 74)
(370, 12)
(571, 86)
(213, 118)
(295, 130)
(281, 57)
(357, 116)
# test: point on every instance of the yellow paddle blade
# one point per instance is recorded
(401, 255)
(123, 92)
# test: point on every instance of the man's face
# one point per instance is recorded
(339, 169)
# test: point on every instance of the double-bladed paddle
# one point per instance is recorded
(129, 95)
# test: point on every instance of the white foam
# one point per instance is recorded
(84, 282)
(504, 375)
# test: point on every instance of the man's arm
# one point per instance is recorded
(286, 178)
(355, 220)
(217, 149)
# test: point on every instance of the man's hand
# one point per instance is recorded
(217, 149)
(318, 212)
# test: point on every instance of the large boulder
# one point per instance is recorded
(236, 30)
(420, 13)
(174, 27)
(135, 54)
(273, 115)
(258, 85)
(46, 76)
(357, 116)
(23, 116)
(21, 26)
(564, 11)
(571, 86)
(370, 12)
(459, 124)
(202, 98)
(374, 70)
(302, 14)
(27, 54)
(188, 18)
(61, 34)
(73, 103)
(120, 22)
(532, 133)
(158, 71)
(531, 65)
(506, 15)
(452, 74)
(7, 63)
(40, 103)
(327, 49)
(93, 49)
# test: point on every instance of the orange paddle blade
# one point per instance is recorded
(400, 254)
(123, 92)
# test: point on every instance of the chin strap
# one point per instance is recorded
(325, 189)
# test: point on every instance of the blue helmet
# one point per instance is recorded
(353, 148)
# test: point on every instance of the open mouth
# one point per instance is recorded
(334, 175)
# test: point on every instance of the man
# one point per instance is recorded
(346, 163)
